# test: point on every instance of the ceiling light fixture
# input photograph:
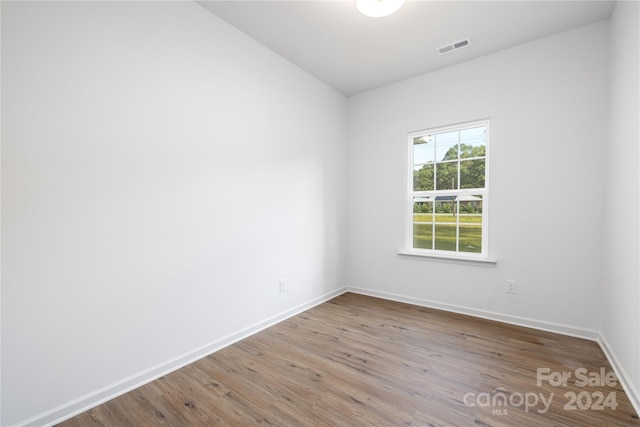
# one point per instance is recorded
(378, 8)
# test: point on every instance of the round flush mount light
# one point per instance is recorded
(378, 8)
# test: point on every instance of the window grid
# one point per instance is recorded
(466, 226)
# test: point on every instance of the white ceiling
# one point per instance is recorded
(352, 53)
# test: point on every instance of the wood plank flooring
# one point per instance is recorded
(362, 361)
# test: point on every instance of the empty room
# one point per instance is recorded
(320, 213)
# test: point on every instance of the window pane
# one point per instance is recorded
(470, 238)
(423, 236)
(445, 206)
(447, 176)
(423, 222)
(470, 209)
(447, 146)
(423, 178)
(423, 159)
(423, 150)
(472, 173)
(473, 142)
(445, 239)
(423, 208)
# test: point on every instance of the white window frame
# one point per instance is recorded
(483, 256)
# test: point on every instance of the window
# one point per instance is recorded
(448, 195)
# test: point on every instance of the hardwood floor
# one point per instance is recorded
(362, 361)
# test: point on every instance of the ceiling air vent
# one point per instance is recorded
(454, 46)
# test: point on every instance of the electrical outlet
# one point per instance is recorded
(283, 285)
(512, 287)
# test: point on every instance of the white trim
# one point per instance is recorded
(445, 256)
(452, 127)
(542, 325)
(627, 384)
(411, 192)
(93, 399)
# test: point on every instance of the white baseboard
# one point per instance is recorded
(484, 314)
(632, 392)
(93, 399)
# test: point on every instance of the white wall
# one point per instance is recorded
(621, 287)
(547, 101)
(160, 173)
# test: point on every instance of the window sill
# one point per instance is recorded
(448, 258)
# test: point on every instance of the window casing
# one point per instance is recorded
(447, 203)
